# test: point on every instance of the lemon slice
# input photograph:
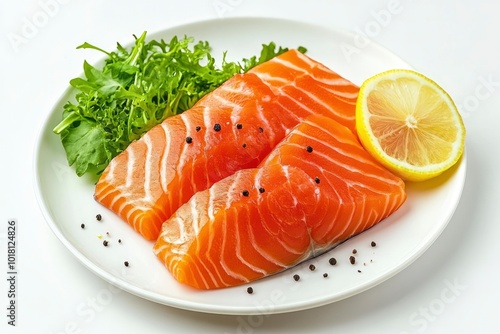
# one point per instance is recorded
(409, 124)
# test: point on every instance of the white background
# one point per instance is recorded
(452, 288)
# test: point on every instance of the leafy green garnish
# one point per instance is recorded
(137, 89)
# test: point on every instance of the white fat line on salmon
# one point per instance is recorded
(257, 182)
(194, 171)
(364, 216)
(348, 97)
(147, 169)
(238, 248)
(138, 205)
(195, 217)
(312, 63)
(181, 162)
(375, 216)
(313, 246)
(131, 212)
(130, 168)
(267, 78)
(291, 113)
(228, 103)
(104, 192)
(164, 179)
(211, 209)
(211, 233)
(325, 69)
(356, 230)
(123, 192)
(233, 192)
(265, 123)
(334, 86)
(207, 123)
(263, 253)
(350, 222)
(235, 119)
(347, 167)
(387, 202)
(295, 202)
(286, 171)
(211, 261)
(338, 81)
(346, 141)
(179, 238)
(292, 66)
(225, 250)
(326, 104)
(299, 103)
(241, 89)
(317, 194)
(110, 177)
(199, 273)
(346, 100)
(158, 250)
(287, 176)
(394, 204)
(327, 157)
(335, 221)
(287, 247)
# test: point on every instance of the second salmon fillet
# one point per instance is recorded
(317, 188)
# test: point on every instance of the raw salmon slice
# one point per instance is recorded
(317, 188)
(232, 128)
(301, 83)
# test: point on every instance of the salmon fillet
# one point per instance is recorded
(232, 128)
(317, 188)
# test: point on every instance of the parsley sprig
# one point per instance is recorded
(137, 89)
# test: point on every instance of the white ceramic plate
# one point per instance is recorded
(67, 202)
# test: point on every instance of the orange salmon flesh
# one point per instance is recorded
(261, 174)
(155, 175)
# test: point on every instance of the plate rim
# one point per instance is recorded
(203, 307)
